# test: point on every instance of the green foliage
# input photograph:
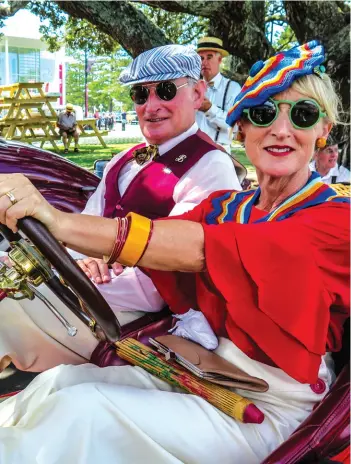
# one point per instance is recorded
(103, 83)
(286, 39)
(61, 29)
(278, 31)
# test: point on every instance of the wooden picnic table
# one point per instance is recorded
(28, 115)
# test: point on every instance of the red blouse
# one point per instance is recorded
(279, 290)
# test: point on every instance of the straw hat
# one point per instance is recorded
(69, 107)
(211, 43)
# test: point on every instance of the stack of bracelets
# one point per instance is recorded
(133, 234)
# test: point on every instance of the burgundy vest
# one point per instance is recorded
(150, 193)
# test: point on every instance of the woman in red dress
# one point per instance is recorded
(269, 269)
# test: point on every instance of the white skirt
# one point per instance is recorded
(87, 415)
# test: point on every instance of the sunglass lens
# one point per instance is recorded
(166, 90)
(305, 114)
(263, 115)
(139, 94)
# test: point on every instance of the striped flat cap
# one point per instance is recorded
(162, 64)
(276, 75)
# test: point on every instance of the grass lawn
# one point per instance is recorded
(89, 153)
(239, 154)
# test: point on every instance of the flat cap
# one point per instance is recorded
(163, 64)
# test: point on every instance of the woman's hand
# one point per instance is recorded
(97, 270)
(19, 198)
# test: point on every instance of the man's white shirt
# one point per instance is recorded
(133, 290)
(214, 119)
(341, 173)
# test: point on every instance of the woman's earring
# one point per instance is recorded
(239, 137)
(321, 142)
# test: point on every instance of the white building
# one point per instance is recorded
(24, 56)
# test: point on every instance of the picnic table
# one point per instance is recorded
(27, 115)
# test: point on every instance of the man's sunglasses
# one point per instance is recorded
(165, 90)
(303, 114)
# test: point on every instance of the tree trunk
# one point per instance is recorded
(326, 22)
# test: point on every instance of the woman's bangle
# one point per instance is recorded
(121, 226)
(137, 239)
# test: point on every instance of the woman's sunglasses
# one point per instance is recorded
(303, 114)
(165, 90)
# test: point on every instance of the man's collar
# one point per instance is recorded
(216, 81)
(332, 172)
(166, 146)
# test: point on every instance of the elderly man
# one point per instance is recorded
(220, 94)
(173, 171)
(67, 124)
(325, 162)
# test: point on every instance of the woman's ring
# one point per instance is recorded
(11, 197)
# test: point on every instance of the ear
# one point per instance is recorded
(199, 91)
(326, 129)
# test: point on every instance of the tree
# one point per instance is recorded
(104, 87)
(242, 25)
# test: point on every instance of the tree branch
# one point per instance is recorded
(121, 20)
(194, 7)
(289, 39)
(272, 18)
(11, 8)
(314, 20)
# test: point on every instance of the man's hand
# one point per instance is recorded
(206, 105)
(97, 270)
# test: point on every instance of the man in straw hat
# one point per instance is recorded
(172, 172)
(220, 94)
(67, 124)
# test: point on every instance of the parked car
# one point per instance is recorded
(64, 184)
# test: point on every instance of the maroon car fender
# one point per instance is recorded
(64, 184)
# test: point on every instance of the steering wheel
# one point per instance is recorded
(65, 265)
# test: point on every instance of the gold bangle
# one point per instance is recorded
(138, 236)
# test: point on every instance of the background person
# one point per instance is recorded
(220, 93)
(67, 125)
(188, 167)
(325, 162)
(276, 303)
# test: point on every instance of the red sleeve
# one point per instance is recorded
(178, 289)
(286, 284)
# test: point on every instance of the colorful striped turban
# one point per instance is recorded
(162, 64)
(276, 75)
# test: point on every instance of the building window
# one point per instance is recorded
(24, 64)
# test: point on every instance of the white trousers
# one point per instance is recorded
(87, 415)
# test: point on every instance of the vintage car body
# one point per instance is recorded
(63, 183)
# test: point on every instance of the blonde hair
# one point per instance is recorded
(322, 90)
